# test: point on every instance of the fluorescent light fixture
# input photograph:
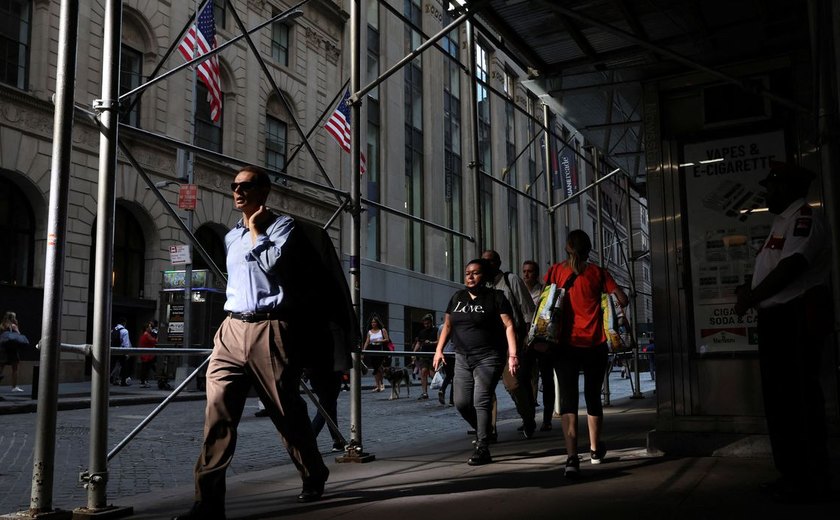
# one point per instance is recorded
(709, 161)
(612, 172)
(684, 165)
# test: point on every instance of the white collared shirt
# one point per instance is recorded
(799, 229)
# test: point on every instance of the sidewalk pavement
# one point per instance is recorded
(76, 395)
(427, 476)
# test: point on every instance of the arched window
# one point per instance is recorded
(213, 244)
(17, 227)
(129, 255)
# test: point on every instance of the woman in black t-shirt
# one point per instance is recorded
(480, 322)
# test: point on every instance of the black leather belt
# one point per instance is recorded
(251, 317)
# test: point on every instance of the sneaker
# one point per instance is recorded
(480, 457)
(441, 397)
(423, 397)
(338, 446)
(572, 467)
(17, 389)
(597, 456)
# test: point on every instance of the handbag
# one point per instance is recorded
(616, 328)
(10, 336)
(546, 326)
(613, 328)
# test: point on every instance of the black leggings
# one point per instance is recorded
(568, 363)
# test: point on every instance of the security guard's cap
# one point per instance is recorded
(789, 174)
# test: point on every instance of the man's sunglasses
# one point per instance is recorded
(246, 186)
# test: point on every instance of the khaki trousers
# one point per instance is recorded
(246, 354)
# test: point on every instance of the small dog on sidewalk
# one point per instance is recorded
(397, 377)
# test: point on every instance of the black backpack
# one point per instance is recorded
(116, 340)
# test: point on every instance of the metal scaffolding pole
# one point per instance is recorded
(552, 228)
(631, 266)
(43, 463)
(96, 477)
(476, 162)
(355, 449)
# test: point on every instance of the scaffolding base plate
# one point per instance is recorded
(354, 456)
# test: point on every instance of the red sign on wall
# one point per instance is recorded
(187, 196)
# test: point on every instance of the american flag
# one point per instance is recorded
(208, 70)
(338, 125)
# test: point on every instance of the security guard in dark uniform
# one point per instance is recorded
(789, 289)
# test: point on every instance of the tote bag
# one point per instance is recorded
(547, 324)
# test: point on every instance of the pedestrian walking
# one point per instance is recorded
(278, 323)
(425, 341)
(479, 320)
(377, 339)
(11, 341)
(583, 345)
(543, 360)
(148, 339)
(520, 387)
(122, 365)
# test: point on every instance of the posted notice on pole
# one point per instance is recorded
(180, 254)
(727, 225)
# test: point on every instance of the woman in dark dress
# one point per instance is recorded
(479, 320)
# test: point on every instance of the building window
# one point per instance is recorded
(219, 7)
(17, 227)
(208, 134)
(14, 42)
(372, 187)
(131, 75)
(275, 143)
(280, 43)
(129, 255)
(453, 181)
(372, 174)
(414, 181)
(484, 143)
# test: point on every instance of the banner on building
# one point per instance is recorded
(568, 171)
